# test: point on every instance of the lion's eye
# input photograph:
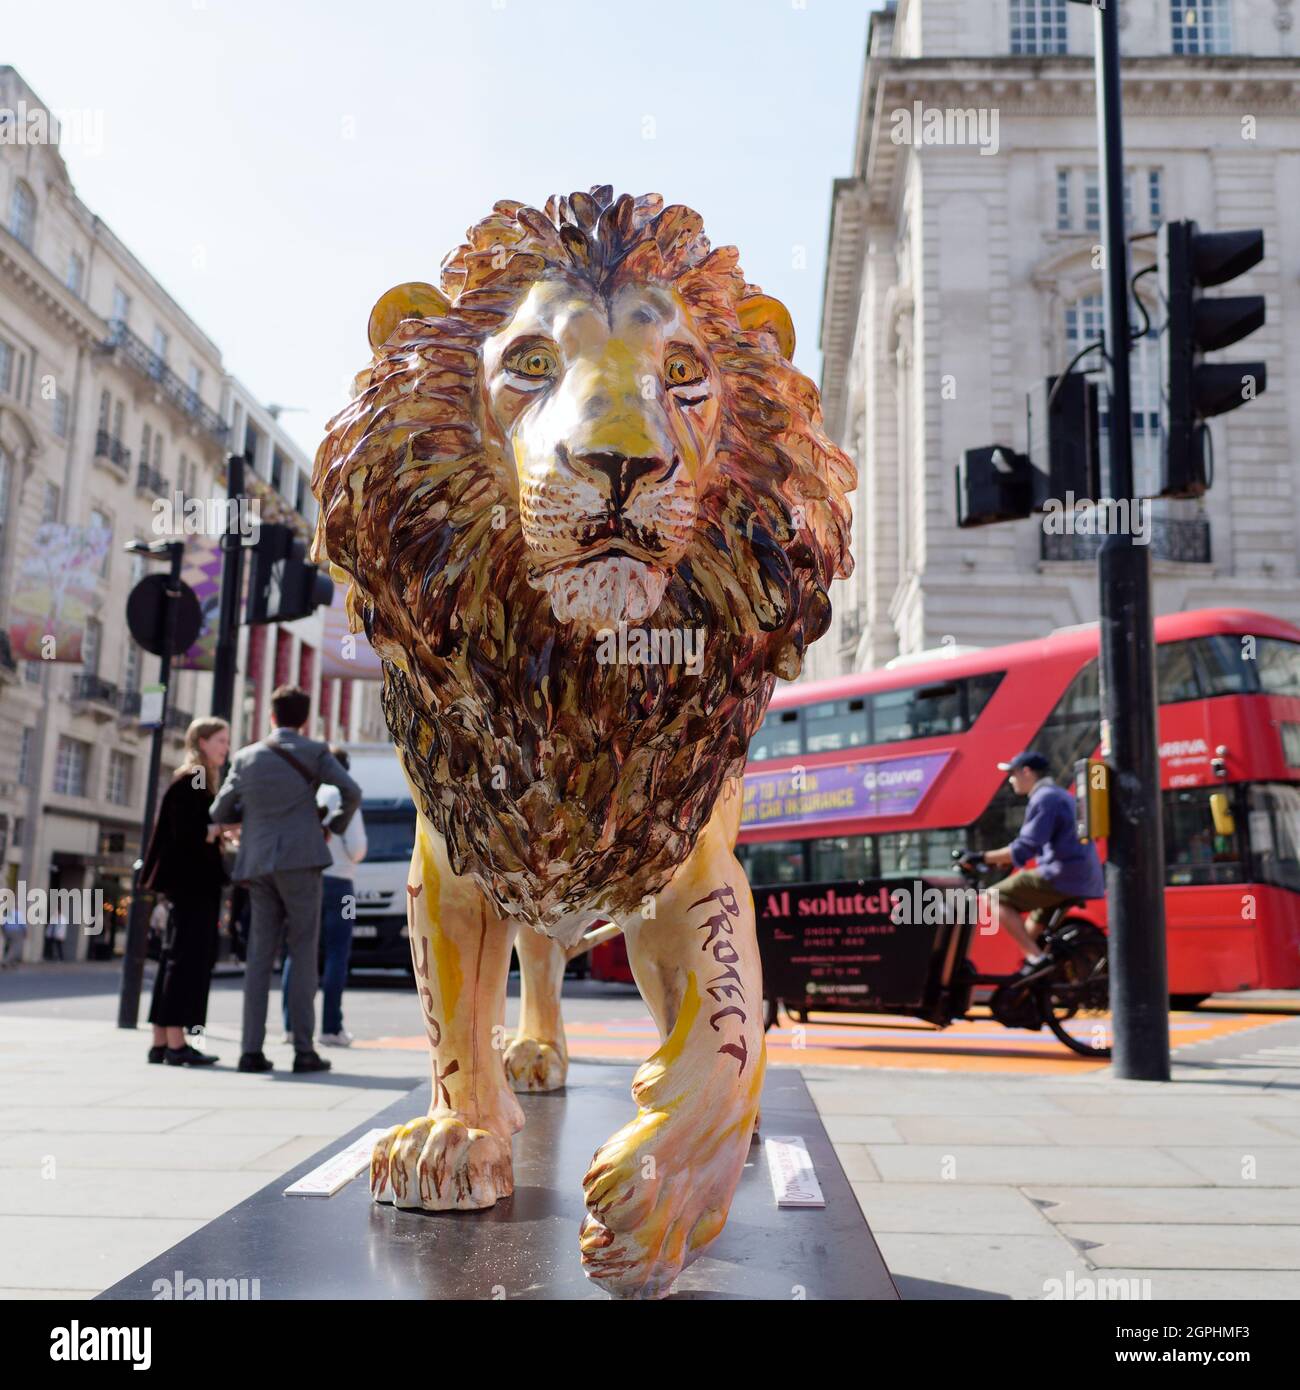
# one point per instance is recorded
(536, 363)
(681, 369)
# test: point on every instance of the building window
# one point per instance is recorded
(160, 342)
(50, 506)
(1038, 26)
(1062, 200)
(101, 520)
(22, 214)
(121, 769)
(196, 381)
(1201, 26)
(277, 470)
(119, 420)
(6, 366)
(90, 646)
(1153, 198)
(105, 406)
(76, 277)
(121, 304)
(300, 495)
(25, 751)
(131, 667)
(146, 439)
(61, 415)
(70, 767)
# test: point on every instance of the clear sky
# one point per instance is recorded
(279, 164)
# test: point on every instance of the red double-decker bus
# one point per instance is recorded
(866, 776)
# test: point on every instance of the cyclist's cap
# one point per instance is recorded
(1035, 762)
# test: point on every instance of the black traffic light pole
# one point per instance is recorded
(128, 1007)
(1135, 900)
(232, 577)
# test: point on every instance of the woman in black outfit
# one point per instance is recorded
(183, 863)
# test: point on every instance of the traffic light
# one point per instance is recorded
(1191, 389)
(283, 586)
(1064, 440)
(994, 484)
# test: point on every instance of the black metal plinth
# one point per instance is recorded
(527, 1246)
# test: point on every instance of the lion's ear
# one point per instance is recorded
(414, 300)
(762, 311)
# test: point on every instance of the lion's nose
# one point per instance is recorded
(621, 472)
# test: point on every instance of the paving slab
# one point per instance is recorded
(964, 1266)
(936, 1208)
(1174, 1205)
(124, 1192)
(1018, 1164)
(40, 1252)
(1187, 1246)
(1270, 1166)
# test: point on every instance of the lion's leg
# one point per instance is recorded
(458, 1156)
(658, 1192)
(538, 1057)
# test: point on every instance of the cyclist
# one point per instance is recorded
(1065, 868)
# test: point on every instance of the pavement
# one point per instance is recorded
(977, 1184)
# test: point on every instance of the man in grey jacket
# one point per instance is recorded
(270, 793)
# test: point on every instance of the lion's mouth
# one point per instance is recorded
(603, 590)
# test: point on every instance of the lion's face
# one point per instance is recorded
(594, 418)
(606, 407)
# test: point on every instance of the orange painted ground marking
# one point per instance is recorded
(974, 1045)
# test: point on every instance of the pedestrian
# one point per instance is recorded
(56, 933)
(271, 792)
(183, 865)
(15, 935)
(338, 909)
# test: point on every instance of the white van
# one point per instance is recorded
(379, 933)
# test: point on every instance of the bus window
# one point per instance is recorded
(1225, 670)
(1279, 667)
(777, 736)
(1274, 830)
(835, 724)
(979, 690)
(1176, 673)
(844, 856)
(917, 712)
(1194, 851)
(778, 861)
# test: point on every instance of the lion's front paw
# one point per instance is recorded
(657, 1193)
(532, 1065)
(440, 1163)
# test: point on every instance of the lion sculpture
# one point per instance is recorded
(587, 516)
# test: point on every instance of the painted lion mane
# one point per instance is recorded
(568, 786)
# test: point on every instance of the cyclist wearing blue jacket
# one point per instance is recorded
(1064, 867)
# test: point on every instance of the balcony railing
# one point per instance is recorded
(94, 690)
(147, 362)
(1183, 540)
(148, 480)
(178, 720)
(112, 451)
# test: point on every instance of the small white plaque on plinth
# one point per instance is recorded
(339, 1170)
(794, 1180)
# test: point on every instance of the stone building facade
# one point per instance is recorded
(962, 270)
(111, 397)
